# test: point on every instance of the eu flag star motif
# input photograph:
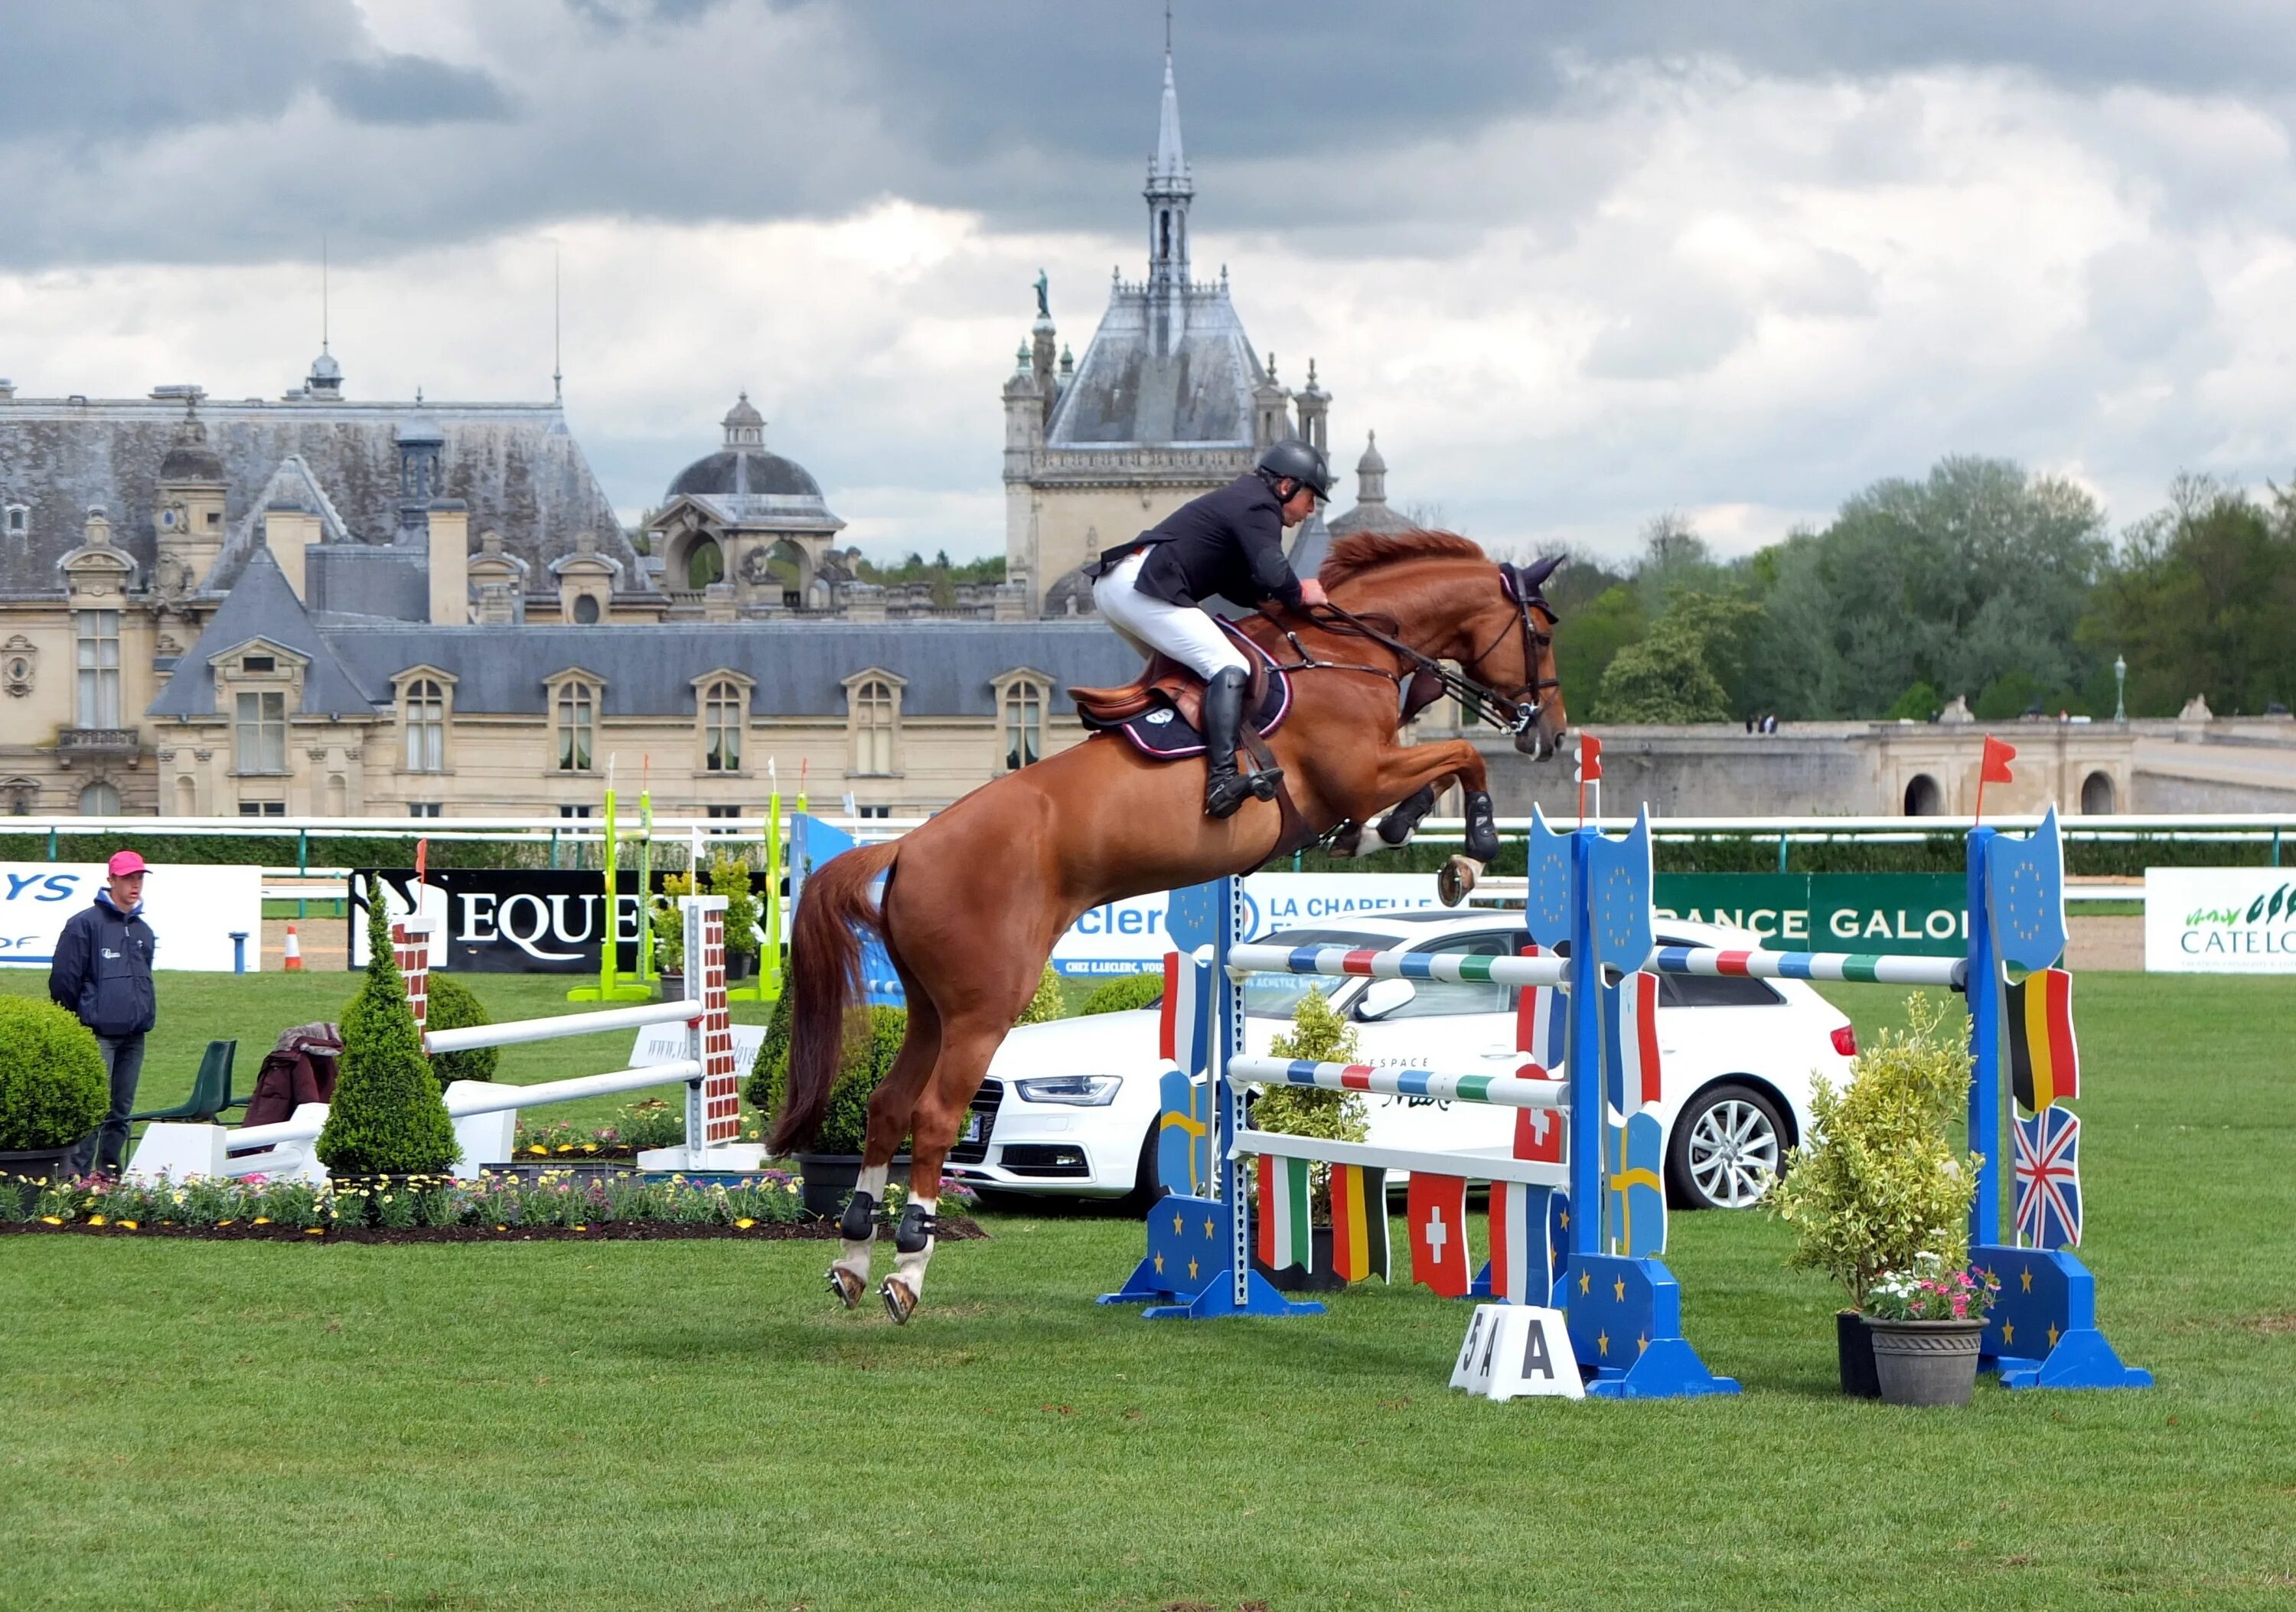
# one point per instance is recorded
(1620, 873)
(1550, 893)
(2024, 892)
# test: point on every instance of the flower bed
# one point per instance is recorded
(442, 1208)
(651, 1122)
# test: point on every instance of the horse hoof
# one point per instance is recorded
(900, 1304)
(1456, 879)
(1347, 841)
(848, 1286)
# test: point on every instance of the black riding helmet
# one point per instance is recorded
(1301, 462)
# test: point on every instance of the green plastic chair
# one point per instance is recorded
(211, 1090)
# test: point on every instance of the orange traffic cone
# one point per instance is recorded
(292, 962)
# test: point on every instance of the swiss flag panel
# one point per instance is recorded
(1439, 1233)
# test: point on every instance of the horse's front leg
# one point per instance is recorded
(1408, 770)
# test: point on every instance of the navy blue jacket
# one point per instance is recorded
(1228, 543)
(102, 969)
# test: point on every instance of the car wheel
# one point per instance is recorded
(1725, 1150)
(1145, 1187)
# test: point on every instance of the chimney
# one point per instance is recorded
(288, 531)
(450, 562)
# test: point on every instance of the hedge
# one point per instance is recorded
(53, 1089)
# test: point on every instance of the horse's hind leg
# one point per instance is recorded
(890, 1108)
(966, 1045)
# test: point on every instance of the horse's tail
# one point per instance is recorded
(825, 974)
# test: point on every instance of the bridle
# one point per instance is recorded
(1514, 714)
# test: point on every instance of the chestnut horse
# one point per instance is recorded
(975, 898)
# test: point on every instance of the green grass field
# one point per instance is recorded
(691, 1425)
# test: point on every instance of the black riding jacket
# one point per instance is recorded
(102, 969)
(1227, 543)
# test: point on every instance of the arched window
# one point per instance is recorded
(721, 726)
(586, 609)
(2097, 796)
(577, 727)
(872, 728)
(1923, 798)
(1024, 725)
(99, 800)
(705, 563)
(426, 727)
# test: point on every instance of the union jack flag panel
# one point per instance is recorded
(2048, 1179)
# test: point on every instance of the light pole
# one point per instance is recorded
(2119, 689)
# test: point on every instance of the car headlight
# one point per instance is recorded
(1077, 1090)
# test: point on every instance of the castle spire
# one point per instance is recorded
(1169, 192)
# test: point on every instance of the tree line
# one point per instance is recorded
(1980, 582)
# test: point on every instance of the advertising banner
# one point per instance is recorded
(1920, 914)
(1916, 913)
(1127, 937)
(194, 911)
(505, 920)
(2219, 920)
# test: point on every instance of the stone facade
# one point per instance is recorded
(1170, 402)
(1919, 770)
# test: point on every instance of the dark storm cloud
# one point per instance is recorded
(414, 90)
(114, 69)
(691, 110)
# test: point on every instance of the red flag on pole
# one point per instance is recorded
(422, 865)
(1994, 768)
(1590, 759)
(1587, 768)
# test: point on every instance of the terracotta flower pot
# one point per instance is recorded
(1925, 1362)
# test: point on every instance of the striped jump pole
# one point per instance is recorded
(1500, 1091)
(1854, 968)
(1341, 962)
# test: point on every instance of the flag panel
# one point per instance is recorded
(1437, 1219)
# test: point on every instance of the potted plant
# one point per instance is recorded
(1926, 1326)
(387, 1119)
(668, 921)
(833, 1164)
(52, 1090)
(1879, 1185)
(1319, 1035)
(729, 877)
(453, 1005)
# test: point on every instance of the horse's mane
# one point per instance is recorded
(1364, 551)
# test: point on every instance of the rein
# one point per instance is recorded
(1513, 715)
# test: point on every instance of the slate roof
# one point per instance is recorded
(1196, 392)
(513, 464)
(263, 606)
(799, 666)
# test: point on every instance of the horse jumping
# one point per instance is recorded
(973, 901)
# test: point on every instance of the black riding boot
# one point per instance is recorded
(1225, 792)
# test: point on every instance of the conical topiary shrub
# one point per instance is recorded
(387, 1117)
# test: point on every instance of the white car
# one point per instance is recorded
(1070, 1107)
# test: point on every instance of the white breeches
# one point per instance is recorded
(1182, 631)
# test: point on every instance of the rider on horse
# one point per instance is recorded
(1227, 543)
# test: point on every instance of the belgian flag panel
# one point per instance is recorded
(2038, 1023)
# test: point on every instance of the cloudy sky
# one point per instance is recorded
(1576, 263)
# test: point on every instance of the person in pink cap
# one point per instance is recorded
(102, 972)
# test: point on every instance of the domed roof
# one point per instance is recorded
(189, 456)
(743, 466)
(746, 470)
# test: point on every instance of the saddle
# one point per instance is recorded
(1162, 712)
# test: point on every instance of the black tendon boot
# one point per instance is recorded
(1223, 790)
